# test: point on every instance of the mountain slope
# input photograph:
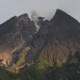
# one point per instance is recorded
(53, 51)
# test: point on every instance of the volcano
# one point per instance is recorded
(52, 52)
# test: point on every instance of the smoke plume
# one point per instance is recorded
(34, 17)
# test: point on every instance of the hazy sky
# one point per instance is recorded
(9, 8)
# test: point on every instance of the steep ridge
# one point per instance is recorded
(15, 35)
(64, 27)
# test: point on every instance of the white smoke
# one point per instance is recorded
(34, 17)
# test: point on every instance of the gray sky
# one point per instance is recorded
(46, 8)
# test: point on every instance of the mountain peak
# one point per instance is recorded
(64, 26)
(60, 15)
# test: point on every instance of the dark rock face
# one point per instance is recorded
(15, 30)
(64, 27)
(16, 33)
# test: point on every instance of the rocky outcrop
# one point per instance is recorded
(15, 34)
(64, 27)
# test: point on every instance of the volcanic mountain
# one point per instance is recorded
(52, 52)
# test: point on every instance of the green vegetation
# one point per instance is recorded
(47, 66)
(44, 70)
(15, 67)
